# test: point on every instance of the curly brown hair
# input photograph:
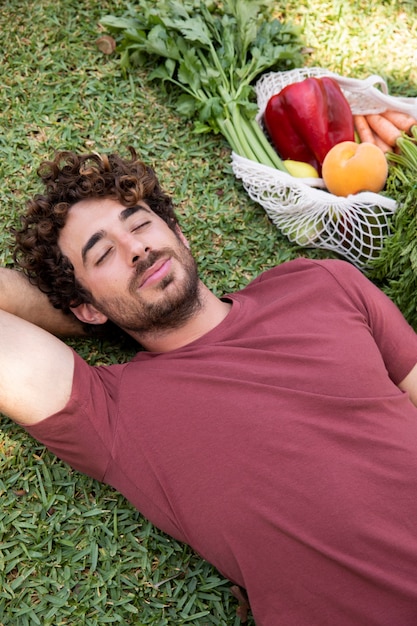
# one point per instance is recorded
(69, 178)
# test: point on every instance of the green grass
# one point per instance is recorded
(71, 550)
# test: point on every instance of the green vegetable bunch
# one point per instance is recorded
(395, 269)
(212, 51)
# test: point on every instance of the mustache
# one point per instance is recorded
(143, 264)
(153, 256)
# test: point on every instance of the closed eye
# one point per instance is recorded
(103, 256)
(141, 225)
(134, 229)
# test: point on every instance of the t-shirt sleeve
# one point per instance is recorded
(82, 433)
(395, 338)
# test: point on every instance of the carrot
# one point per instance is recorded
(403, 121)
(363, 129)
(385, 129)
(381, 143)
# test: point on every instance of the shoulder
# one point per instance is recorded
(82, 432)
(309, 280)
(309, 269)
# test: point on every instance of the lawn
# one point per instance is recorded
(71, 550)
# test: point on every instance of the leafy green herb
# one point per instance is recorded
(395, 269)
(212, 52)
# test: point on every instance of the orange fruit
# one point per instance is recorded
(351, 167)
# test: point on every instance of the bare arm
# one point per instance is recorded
(19, 297)
(409, 384)
(36, 371)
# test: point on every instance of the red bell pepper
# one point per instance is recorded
(305, 119)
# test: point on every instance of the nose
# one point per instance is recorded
(135, 249)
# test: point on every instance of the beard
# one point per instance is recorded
(173, 307)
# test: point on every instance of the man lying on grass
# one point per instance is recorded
(274, 430)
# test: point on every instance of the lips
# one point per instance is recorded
(155, 273)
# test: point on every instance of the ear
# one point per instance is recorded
(181, 236)
(88, 314)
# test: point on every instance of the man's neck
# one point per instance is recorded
(212, 311)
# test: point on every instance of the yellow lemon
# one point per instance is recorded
(299, 169)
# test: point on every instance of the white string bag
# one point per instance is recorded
(353, 226)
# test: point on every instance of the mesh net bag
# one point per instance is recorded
(353, 226)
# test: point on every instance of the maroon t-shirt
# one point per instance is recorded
(278, 446)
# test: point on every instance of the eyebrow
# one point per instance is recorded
(99, 235)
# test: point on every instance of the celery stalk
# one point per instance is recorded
(213, 55)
